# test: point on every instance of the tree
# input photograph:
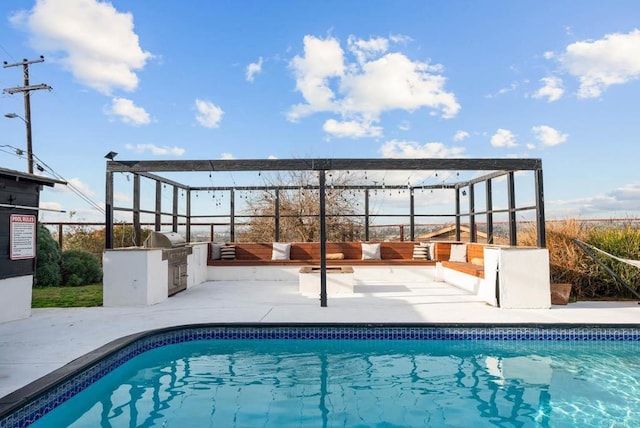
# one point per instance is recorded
(47, 259)
(88, 238)
(299, 210)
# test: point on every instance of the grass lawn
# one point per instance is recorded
(67, 297)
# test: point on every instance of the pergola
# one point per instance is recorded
(498, 168)
(492, 168)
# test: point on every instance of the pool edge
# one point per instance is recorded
(31, 392)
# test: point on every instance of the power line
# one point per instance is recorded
(70, 185)
(26, 90)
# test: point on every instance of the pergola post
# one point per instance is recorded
(158, 207)
(137, 230)
(188, 220)
(108, 211)
(511, 198)
(366, 214)
(457, 213)
(232, 213)
(472, 217)
(174, 215)
(276, 208)
(540, 218)
(412, 216)
(489, 208)
(323, 240)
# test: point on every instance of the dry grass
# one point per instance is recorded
(569, 264)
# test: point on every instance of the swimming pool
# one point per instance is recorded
(329, 375)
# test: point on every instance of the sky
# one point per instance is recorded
(162, 80)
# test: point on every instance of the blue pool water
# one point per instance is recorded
(365, 383)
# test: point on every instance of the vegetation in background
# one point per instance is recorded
(91, 239)
(80, 268)
(67, 297)
(56, 268)
(299, 211)
(48, 258)
(569, 264)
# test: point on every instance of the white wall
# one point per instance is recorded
(134, 277)
(15, 298)
(524, 278)
(197, 264)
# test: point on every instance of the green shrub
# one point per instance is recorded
(47, 259)
(80, 268)
(623, 242)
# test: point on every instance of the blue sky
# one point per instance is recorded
(554, 80)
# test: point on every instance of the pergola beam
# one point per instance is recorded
(482, 164)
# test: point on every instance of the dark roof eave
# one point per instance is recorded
(23, 176)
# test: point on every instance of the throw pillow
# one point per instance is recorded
(431, 246)
(280, 251)
(335, 256)
(420, 252)
(370, 251)
(215, 251)
(458, 253)
(228, 252)
(477, 261)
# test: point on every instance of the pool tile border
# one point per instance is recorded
(25, 406)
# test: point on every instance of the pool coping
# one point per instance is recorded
(30, 393)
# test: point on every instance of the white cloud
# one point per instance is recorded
(351, 128)
(503, 138)
(612, 60)
(512, 87)
(209, 115)
(400, 38)
(551, 89)
(76, 183)
(92, 39)
(155, 150)
(54, 206)
(366, 49)
(226, 156)
(81, 186)
(272, 157)
(548, 135)
(460, 135)
(323, 59)
(361, 90)
(128, 112)
(412, 149)
(253, 69)
(624, 199)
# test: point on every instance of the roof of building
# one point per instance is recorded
(23, 176)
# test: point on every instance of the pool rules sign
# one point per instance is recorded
(23, 236)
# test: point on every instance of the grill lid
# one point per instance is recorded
(164, 240)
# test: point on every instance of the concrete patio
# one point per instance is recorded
(51, 338)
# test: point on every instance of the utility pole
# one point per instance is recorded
(26, 89)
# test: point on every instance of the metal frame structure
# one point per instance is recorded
(498, 168)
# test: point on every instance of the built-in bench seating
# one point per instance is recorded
(475, 258)
(487, 270)
(391, 253)
(308, 253)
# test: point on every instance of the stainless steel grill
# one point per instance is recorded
(175, 250)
